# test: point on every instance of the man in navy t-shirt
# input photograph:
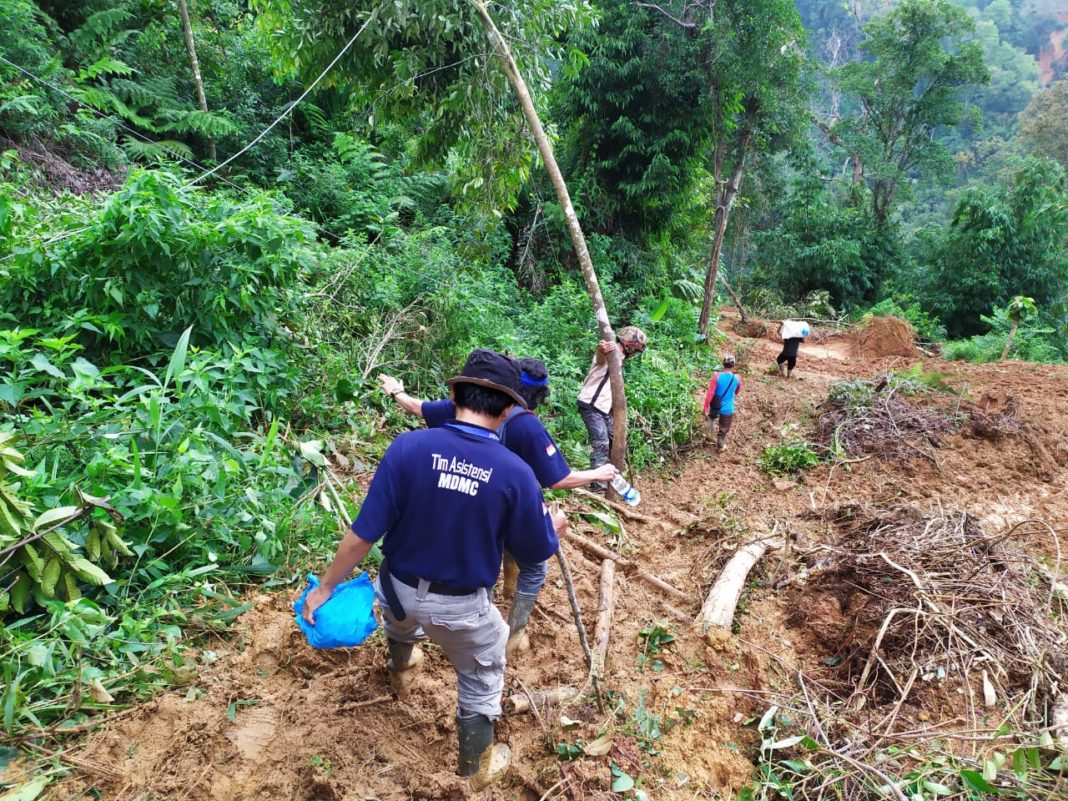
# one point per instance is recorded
(525, 435)
(452, 500)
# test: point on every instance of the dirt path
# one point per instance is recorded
(268, 718)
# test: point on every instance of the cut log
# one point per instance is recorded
(603, 553)
(718, 609)
(522, 702)
(606, 605)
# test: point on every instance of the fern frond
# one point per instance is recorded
(177, 149)
(103, 99)
(315, 117)
(206, 123)
(133, 92)
(164, 88)
(99, 28)
(137, 150)
(104, 66)
(29, 105)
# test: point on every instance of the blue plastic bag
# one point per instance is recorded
(345, 620)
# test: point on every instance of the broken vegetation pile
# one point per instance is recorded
(932, 595)
(930, 615)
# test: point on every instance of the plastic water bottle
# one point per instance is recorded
(625, 490)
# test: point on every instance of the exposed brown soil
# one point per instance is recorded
(49, 169)
(320, 725)
(880, 337)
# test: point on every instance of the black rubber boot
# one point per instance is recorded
(721, 441)
(480, 759)
(518, 615)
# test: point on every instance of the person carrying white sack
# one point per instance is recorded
(793, 333)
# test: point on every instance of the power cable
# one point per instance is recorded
(292, 106)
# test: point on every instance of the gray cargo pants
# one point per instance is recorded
(470, 631)
(599, 426)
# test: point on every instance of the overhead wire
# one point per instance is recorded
(293, 105)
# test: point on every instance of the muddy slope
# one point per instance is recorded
(268, 718)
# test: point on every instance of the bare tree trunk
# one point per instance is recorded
(202, 100)
(723, 210)
(737, 303)
(1008, 342)
(618, 455)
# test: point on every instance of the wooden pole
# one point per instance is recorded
(618, 455)
(565, 570)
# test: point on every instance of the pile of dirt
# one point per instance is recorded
(912, 599)
(751, 329)
(884, 336)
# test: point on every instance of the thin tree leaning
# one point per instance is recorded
(618, 454)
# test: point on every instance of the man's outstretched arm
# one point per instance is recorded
(395, 389)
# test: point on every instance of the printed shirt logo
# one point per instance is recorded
(550, 449)
(459, 475)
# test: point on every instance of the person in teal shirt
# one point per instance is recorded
(719, 400)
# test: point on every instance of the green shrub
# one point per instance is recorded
(128, 276)
(790, 456)
(203, 488)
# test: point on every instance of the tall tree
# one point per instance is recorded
(1004, 241)
(920, 60)
(638, 121)
(1044, 123)
(751, 57)
(194, 63)
(755, 67)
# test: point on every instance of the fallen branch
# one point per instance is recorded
(622, 509)
(369, 702)
(535, 701)
(737, 303)
(603, 553)
(606, 605)
(718, 609)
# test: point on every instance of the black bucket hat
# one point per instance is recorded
(487, 368)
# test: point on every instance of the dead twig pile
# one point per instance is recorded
(940, 599)
(993, 425)
(925, 611)
(889, 417)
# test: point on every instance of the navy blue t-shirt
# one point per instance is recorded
(452, 499)
(526, 438)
